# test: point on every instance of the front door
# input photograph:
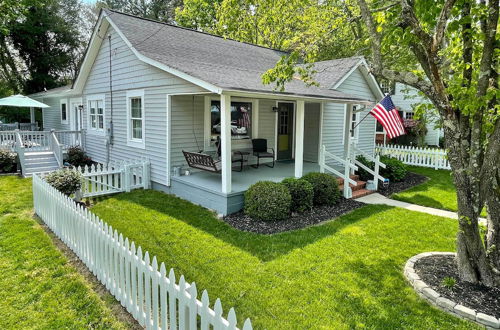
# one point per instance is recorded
(285, 131)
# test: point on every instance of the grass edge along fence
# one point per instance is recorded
(144, 289)
(425, 157)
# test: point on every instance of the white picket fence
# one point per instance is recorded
(144, 289)
(100, 180)
(425, 157)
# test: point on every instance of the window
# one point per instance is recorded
(387, 87)
(96, 114)
(64, 112)
(135, 119)
(241, 114)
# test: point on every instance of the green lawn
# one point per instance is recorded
(438, 192)
(343, 274)
(38, 289)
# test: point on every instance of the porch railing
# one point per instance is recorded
(346, 163)
(377, 165)
(8, 140)
(70, 138)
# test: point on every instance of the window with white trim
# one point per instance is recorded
(135, 118)
(354, 123)
(64, 112)
(96, 114)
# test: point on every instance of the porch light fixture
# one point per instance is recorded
(275, 109)
(80, 107)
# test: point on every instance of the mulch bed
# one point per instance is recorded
(297, 221)
(410, 180)
(432, 270)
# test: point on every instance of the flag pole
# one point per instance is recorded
(359, 122)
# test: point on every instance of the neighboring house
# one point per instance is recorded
(405, 98)
(149, 89)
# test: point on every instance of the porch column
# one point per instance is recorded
(32, 115)
(347, 129)
(225, 137)
(299, 139)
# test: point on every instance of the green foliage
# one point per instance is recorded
(395, 169)
(302, 193)
(78, 157)
(267, 278)
(448, 282)
(325, 186)
(268, 201)
(160, 10)
(7, 161)
(66, 181)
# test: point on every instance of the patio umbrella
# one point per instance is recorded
(21, 101)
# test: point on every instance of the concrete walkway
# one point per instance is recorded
(377, 198)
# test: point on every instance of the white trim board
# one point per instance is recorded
(132, 142)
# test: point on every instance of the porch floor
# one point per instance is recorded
(241, 181)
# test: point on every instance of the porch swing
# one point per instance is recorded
(206, 162)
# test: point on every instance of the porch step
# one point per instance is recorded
(39, 162)
(340, 181)
(361, 192)
(360, 185)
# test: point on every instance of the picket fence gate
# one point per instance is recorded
(151, 296)
(424, 157)
(101, 179)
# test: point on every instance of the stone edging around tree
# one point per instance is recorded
(451, 307)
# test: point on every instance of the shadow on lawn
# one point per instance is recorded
(264, 247)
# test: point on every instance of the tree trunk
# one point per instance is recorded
(492, 238)
(472, 261)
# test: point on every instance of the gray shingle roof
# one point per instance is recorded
(225, 63)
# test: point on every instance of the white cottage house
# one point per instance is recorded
(149, 89)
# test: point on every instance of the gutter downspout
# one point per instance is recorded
(109, 137)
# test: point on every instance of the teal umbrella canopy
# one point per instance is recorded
(21, 101)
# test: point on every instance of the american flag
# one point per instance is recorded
(386, 114)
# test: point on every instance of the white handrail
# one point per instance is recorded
(377, 164)
(56, 148)
(348, 166)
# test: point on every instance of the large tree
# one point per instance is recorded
(41, 43)
(449, 50)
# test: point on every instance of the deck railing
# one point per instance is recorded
(425, 157)
(8, 140)
(156, 300)
(70, 138)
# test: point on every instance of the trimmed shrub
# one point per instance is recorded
(7, 161)
(302, 193)
(66, 181)
(78, 157)
(395, 169)
(363, 174)
(268, 201)
(325, 187)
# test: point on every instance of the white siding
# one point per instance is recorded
(405, 98)
(129, 73)
(357, 85)
(52, 116)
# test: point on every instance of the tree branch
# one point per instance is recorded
(441, 25)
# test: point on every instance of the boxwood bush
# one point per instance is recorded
(268, 201)
(395, 169)
(7, 161)
(325, 187)
(302, 193)
(66, 181)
